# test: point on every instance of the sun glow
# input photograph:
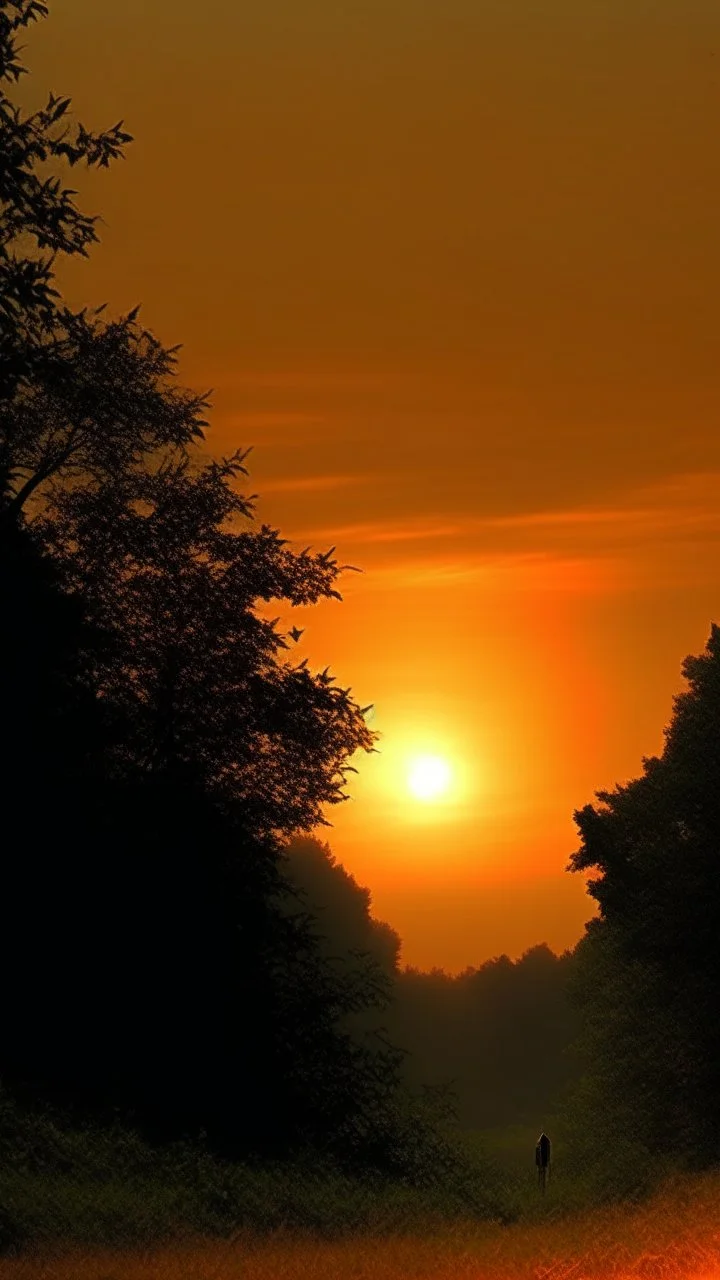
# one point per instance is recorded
(429, 777)
(426, 776)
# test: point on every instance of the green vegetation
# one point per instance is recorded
(103, 1185)
(64, 1183)
(80, 1205)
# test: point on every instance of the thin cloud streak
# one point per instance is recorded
(269, 420)
(529, 573)
(655, 539)
(688, 506)
(310, 484)
(377, 531)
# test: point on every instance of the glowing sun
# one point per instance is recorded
(429, 777)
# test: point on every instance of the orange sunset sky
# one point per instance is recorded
(452, 267)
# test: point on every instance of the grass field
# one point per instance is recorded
(96, 1204)
(673, 1236)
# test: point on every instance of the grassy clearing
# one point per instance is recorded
(212, 1201)
(102, 1205)
(105, 1187)
(673, 1236)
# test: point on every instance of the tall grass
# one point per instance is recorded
(99, 1204)
(673, 1236)
(98, 1186)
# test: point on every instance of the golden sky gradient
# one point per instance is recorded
(453, 269)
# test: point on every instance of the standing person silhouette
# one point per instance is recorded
(542, 1160)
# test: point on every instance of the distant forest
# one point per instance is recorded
(178, 949)
(496, 1041)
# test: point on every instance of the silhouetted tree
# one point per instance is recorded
(52, 721)
(45, 647)
(648, 976)
(165, 563)
(171, 746)
(339, 908)
(39, 219)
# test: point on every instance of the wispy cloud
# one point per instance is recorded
(417, 529)
(309, 484)
(656, 534)
(270, 428)
(497, 573)
(278, 418)
(686, 505)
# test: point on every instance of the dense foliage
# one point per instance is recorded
(163, 741)
(648, 978)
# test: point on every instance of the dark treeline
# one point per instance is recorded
(501, 1035)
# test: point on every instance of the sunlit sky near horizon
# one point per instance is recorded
(452, 267)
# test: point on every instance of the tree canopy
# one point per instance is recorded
(648, 977)
(165, 740)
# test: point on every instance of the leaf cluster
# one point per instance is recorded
(39, 217)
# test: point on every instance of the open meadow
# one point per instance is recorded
(675, 1235)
